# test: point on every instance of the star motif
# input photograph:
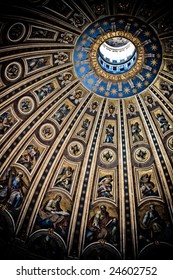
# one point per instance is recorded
(148, 75)
(90, 81)
(92, 31)
(126, 90)
(134, 90)
(105, 23)
(147, 33)
(154, 62)
(139, 85)
(84, 36)
(78, 48)
(101, 88)
(83, 78)
(114, 91)
(154, 47)
(83, 42)
(94, 88)
(120, 94)
(77, 63)
(82, 69)
(107, 93)
(80, 55)
(146, 83)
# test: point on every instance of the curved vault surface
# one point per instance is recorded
(86, 154)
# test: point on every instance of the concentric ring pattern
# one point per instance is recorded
(87, 154)
(149, 57)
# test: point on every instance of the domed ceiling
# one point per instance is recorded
(86, 129)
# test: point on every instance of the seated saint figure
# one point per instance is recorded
(102, 226)
(52, 215)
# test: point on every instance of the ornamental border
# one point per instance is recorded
(119, 77)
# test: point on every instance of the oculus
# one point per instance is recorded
(117, 55)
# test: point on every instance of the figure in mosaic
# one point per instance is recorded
(16, 194)
(29, 157)
(105, 186)
(65, 79)
(109, 134)
(131, 109)
(85, 126)
(26, 105)
(152, 222)
(102, 226)
(45, 90)
(47, 132)
(147, 186)
(76, 96)
(149, 101)
(36, 63)
(12, 188)
(41, 33)
(64, 179)
(166, 88)
(6, 122)
(111, 110)
(136, 132)
(93, 107)
(52, 215)
(61, 113)
(61, 58)
(164, 124)
(5, 186)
